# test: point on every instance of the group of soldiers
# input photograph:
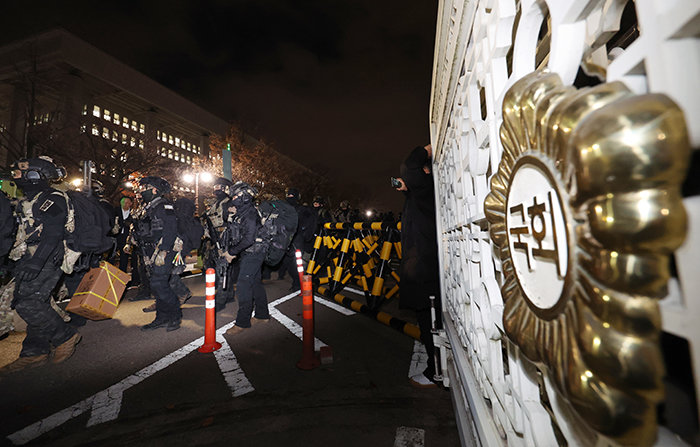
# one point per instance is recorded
(34, 233)
(37, 230)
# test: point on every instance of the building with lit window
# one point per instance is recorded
(55, 84)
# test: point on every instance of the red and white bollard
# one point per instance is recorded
(309, 360)
(210, 343)
(300, 266)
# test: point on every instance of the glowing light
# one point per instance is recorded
(189, 178)
(606, 298)
(206, 177)
(596, 342)
(368, 213)
(77, 182)
(128, 185)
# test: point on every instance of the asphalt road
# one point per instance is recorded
(124, 386)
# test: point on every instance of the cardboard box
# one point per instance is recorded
(98, 294)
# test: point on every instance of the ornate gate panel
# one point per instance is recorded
(563, 133)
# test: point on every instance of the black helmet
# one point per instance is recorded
(243, 192)
(225, 185)
(36, 169)
(292, 192)
(98, 188)
(159, 183)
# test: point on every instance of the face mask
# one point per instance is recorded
(148, 195)
(219, 194)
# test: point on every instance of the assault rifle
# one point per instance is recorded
(221, 267)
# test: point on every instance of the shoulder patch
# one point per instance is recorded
(168, 207)
(46, 205)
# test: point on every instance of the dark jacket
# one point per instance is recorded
(158, 223)
(123, 225)
(244, 228)
(419, 270)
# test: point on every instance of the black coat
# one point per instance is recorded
(419, 270)
(124, 226)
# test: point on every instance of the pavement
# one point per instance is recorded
(125, 386)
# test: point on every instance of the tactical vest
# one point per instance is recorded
(216, 214)
(29, 229)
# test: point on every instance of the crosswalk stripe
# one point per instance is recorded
(235, 378)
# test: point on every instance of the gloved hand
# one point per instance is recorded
(160, 259)
(28, 272)
(177, 246)
(229, 257)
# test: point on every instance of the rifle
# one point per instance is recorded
(222, 267)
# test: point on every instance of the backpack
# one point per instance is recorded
(88, 233)
(189, 228)
(279, 224)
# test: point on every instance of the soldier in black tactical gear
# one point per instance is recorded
(252, 250)
(39, 250)
(216, 219)
(156, 234)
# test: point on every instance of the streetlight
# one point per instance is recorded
(189, 178)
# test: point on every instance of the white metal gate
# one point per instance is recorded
(483, 49)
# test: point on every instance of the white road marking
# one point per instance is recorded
(293, 327)
(358, 292)
(106, 404)
(333, 305)
(419, 359)
(233, 374)
(409, 437)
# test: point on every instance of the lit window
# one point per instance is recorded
(134, 126)
(133, 141)
(105, 133)
(170, 139)
(84, 109)
(162, 152)
(83, 128)
(125, 122)
(115, 136)
(177, 156)
(189, 147)
(125, 138)
(182, 144)
(170, 153)
(140, 144)
(95, 129)
(189, 160)
(177, 141)
(106, 114)
(117, 119)
(96, 111)
(142, 128)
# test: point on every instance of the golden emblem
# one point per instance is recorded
(586, 209)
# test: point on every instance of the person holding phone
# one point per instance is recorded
(419, 270)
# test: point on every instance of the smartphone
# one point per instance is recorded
(395, 183)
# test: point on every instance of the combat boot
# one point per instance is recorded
(155, 324)
(24, 363)
(184, 299)
(66, 349)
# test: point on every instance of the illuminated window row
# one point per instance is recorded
(178, 142)
(117, 119)
(107, 134)
(43, 118)
(175, 155)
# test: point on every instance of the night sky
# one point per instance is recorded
(341, 86)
